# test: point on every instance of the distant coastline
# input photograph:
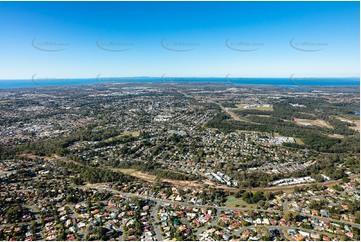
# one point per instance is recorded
(281, 82)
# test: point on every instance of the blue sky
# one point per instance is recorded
(238, 39)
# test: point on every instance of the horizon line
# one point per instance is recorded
(180, 77)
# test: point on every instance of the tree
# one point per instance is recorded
(318, 178)
(264, 232)
(239, 193)
(61, 235)
(14, 213)
(33, 227)
(357, 217)
(290, 216)
(269, 196)
(261, 203)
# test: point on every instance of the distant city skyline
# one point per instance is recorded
(179, 39)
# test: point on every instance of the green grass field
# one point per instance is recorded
(133, 134)
(238, 202)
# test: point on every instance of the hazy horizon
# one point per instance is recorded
(200, 77)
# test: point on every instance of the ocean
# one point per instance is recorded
(281, 82)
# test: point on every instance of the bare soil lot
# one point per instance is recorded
(261, 108)
(356, 122)
(337, 136)
(316, 122)
(152, 178)
(357, 127)
(200, 185)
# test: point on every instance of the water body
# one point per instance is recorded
(281, 82)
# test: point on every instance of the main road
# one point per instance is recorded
(155, 222)
(219, 209)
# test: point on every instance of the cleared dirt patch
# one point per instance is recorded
(152, 178)
(260, 115)
(235, 116)
(261, 107)
(310, 122)
(136, 173)
(345, 120)
(51, 158)
(199, 185)
(356, 122)
(337, 136)
(357, 127)
(299, 141)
